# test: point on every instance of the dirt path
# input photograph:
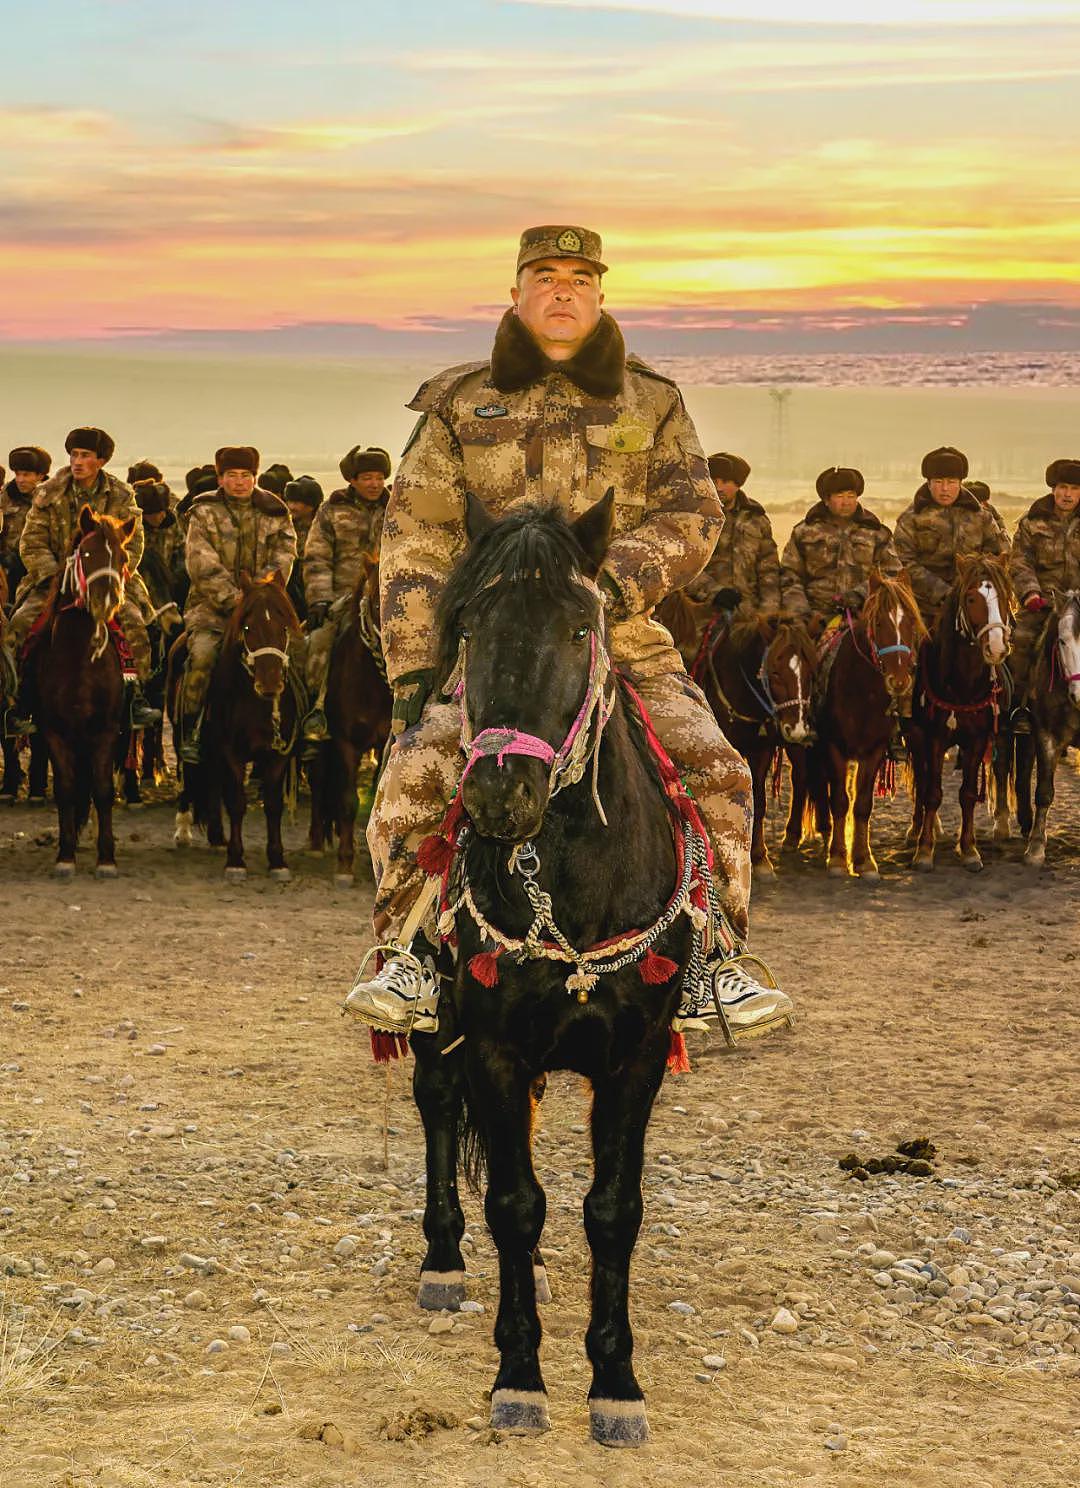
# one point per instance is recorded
(193, 1207)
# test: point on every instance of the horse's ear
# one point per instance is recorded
(874, 582)
(86, 520)
(593, 532)
(127, 530)
(245, 581)
(478, 519)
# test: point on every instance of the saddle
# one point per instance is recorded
(116, 636)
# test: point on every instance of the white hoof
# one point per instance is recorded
(1035, 857)
(281, 875)
(972, 862)
(343, 880)
(106, 870)
(182, 832)
(63, 870)
(235, 875)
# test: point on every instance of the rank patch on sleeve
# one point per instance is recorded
(491, 410)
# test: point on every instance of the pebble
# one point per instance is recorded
(784, 1322)
(836, 1443)
(684, 1309)
(217, 1346)
(714, 1361)
(441, 1325)
(239, 1334)
(281, 1350)
(157, 1049)
(153, 1242)
(105, 1267)
(347, 1246)
(471, 1307)
(197, 1300)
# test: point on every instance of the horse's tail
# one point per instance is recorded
(471, 1147)
(195, 793)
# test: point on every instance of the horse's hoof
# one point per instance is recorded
(235, 875)
(837, 870)
(618, 1423)
(764, 869)
(343, 880)
(183, 824)
(868, 875)
(281, 875)
(106, 870)
(543, 1286)
(135, 805)
(35, 800)
(441, 1291)
(923, 865)
(972, 862)
(63, 870)
(1035, 857)
(789, 845)
(519, 1412)
(1002, 832)
(7, 798)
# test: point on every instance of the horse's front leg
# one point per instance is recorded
(613, 1208)
(759, 760)
(862, 856)
(348, 759)
(273, 794)
(38, 784)
(500, 1098)
(438, 1086)
(1023, 764)
(838, 811)
(793, 829)
(1047, 752)
(232, 782)
(932, 762)
(971, 762)
(1004, 753)
(13, 772)
(64, 789)
(104, 793)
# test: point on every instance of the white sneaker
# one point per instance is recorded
(747, 1007)
(402, 998)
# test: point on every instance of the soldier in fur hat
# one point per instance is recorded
(29, 466)
(303, 496)
(199, 480)
(236, 528)
(44, 548)
(943, 521)
(345, 531)
(164, 536)
(1045, 558)
(981, 491)
(744, 570)
(558, 413)
(275, 478)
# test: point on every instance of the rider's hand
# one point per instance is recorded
(1035, 603)
(614, 605)
(728, 598)
(317, 613)
(411, 693)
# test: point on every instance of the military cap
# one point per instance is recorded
(839, 478)
(1063, 473)
(359, 461)
(30, 457)
(725, 467)
(945, 463)
(151, 496)
(560, 242)
(200, 479)
(95, 440)
(237, 457)
(143, 470)
(304, 488)
(275, 478)
(979, 489)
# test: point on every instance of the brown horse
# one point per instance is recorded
(758, 676)
(358, 707)
(873, 665)
(78, 683)
(687, 619)
(959, 694)
(252, 717)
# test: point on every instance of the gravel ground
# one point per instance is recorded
(208, 1274)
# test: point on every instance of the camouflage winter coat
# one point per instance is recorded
(14, 508)
(50, 526)
(345, 529)
(1046, 550)
(166, 543)
(745, 558)
(827, 558)
(226, 537)
(522, 429)
(929, 539)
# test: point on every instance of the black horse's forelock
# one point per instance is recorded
(533, 543)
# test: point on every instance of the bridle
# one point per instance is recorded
(1004, 624)
(1072, 602)
(248, 658)
(76, 581)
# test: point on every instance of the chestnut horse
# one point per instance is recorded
(873, 666)
(78, 683)
(358, 707)
(959, 695)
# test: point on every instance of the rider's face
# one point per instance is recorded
(842, 503)
(726, 490)
(368, 484)
(237, 483)
(27, 481)
(84, 466)
(944, 489)
(1066, 498)
(154, 519)
(559, 301)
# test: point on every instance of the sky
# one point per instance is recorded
(360, 173)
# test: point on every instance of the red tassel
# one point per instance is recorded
(655, 970)
(434, 856)
(678, 1060)
(387, 1046)
(485, 967)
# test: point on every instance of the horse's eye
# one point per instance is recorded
(582, 633)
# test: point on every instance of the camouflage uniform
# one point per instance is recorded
(166, 540)
(14, 509)
(745, 558)
(521, 429)
(1045, 555)
(46, 542)
(346, 529)
(226, 537)
(929, 538)
(827, 558)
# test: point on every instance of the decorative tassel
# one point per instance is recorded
(678, 1060)
(655, 970)
(434, 855)
(387, 1046)
(885, 786)
(778, 774)
(485, 967)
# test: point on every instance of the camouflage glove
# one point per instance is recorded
(411, 693)
(728, 598)
(614, 605)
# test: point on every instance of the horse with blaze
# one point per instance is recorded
(79, 683)
(531, 871)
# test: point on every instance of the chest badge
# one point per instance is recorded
(628, 435)
(491, 410)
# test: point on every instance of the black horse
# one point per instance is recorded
(1055, 718)
(532, 872)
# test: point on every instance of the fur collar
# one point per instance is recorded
(264, 501)
(1045, 508)
(597, 369)
(744, 503)
(346, 496)
(966, 501)
(819, 512)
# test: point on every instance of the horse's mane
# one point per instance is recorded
(890, 591)
(980, 566)
(273, 595)
(360, 587)
(773, 625)
(534, 550)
